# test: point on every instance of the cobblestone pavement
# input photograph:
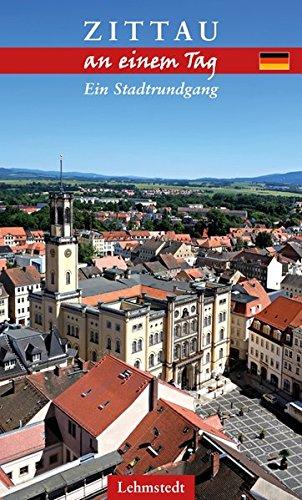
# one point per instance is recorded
(265, 451)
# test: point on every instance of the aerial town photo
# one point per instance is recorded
(149, 328)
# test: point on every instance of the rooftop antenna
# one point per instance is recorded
(61, 173)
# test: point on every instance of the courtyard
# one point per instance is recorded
(246, 418)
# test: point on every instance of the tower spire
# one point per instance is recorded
(61, 173)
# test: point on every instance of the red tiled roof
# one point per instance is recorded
(282, 313)
(14, 231)
(127, 293)
(20, 276)
(100, 385)
(22, 442)
(4, 479)
(109, 262)
(161, 437)
(205, 425)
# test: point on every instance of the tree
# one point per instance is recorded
(284, 454)
(263, 240)
(86, 252)
(218, 223)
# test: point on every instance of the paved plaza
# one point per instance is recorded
(265, 451)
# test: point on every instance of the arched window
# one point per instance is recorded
(161, 336)
(185, 349)
(160, 357)
(221, 334)
(194, 325)
(193, 345)
(208, 338)
(137, 364)
(134, 346)
(67, 215)
(156, 338)
(207, 357)
(140, 345)
(60, 215)
(77, 331)
(224, 316)
(205, 321)
(220, 317)
(68, 278)
(52, 278)
(185, 313)
(185, 329)
(177, 331)
(68, 329)
(220, 353)
(151, 340)
(108, 344)
(117, 346)
(177, 352)
(151, 360)
(72, 330)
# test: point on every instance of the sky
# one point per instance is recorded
(252, 128)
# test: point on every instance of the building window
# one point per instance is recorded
(108, 324)
(177, 352)
(140, 345)
(108, 344)
(177, 331)
(220, 353)
(117, 346)
(68, 278)
(72, 428)
(208, 338)
(208, 357)
(137, 364)
(134, 346)
(94, 356)
(52, 278)
(221, 334)
(151, 340)
(53, 459)
(151, 360)
(23, 470)
(160, 357)
(286, 385)
(193, 345)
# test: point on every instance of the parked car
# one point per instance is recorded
(269, 398)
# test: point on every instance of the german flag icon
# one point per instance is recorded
(274, 61)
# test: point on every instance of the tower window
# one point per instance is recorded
(68, 278)
(60, 215)
(52, 278)
(67, 215)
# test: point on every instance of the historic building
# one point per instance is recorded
(174, 331)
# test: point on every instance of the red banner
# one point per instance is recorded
(129, 60)
(151, 487)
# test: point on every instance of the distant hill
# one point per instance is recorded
(289, 178)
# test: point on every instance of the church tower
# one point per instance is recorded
(61, 280)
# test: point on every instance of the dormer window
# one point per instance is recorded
(36, 357)
(10, 364)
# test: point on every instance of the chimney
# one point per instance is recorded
(58, 370)
(153, 393)
(215, 463)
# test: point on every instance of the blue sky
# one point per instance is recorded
(253, 127)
